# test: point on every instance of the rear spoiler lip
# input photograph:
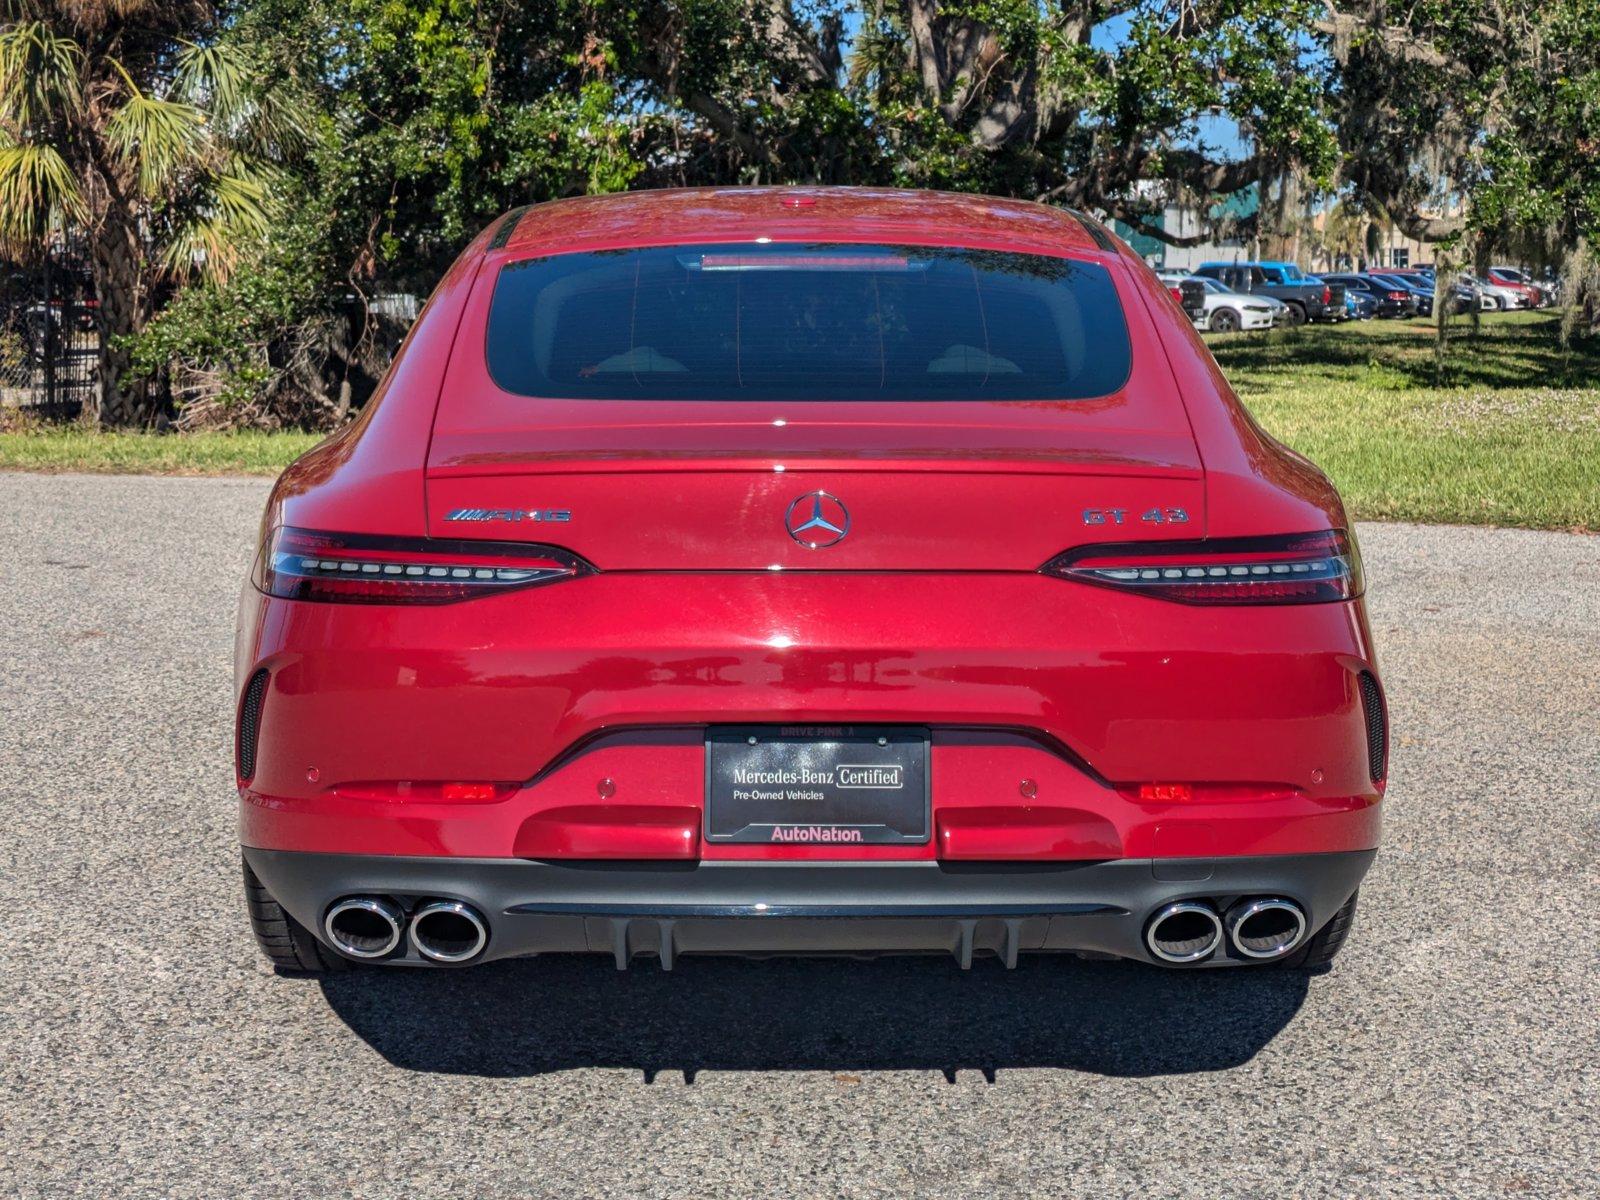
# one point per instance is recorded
(472, 466)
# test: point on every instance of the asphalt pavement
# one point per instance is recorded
(147, 1050)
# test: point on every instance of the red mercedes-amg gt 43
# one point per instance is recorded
(804, 571)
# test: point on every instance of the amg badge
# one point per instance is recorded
(508, 514)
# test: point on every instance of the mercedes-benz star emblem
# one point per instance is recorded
(816, 520)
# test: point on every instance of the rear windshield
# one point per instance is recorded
(807, 322)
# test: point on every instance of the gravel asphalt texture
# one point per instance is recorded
(147, 1050)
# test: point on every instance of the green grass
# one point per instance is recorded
(76, 448)
(1503, 430)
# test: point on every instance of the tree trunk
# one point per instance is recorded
(117, 257)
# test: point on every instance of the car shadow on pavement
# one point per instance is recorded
(556, 1013)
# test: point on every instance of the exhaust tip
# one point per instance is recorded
(1266, 928)
(1184, 932)
(363, 926)
(448, 931)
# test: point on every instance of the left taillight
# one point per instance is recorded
(1304, 568)
(350, 568)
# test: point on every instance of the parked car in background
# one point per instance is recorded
(1522, 283)
(1388, 300)
(1285, 272)
(1420, 291)
(1226, 311)
(1307, 301)
(1424, 287)
(1229, 312)
(1280, 310)
(1359, 306)
(1464, 298)
(1502, 298)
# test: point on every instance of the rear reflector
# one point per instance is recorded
(1305, 568)
(473, 793)
(1165, 792)
(406, 791)
(348, 568)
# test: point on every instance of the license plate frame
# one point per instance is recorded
(861, 804)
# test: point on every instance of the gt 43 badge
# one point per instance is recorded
(1119, 516)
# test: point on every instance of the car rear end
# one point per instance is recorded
(1324, 301)
(763, 577)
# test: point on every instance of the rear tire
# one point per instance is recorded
(287, 944)
(1319, 951)
(1296, 315)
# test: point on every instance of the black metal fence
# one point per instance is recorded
(49, 334)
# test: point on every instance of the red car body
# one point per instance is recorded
(529, 765)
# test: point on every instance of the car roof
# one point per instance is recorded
(707, 215)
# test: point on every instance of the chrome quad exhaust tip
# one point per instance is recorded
(1268, 927)
(447, 931)
(1184, 932)
(364, 926)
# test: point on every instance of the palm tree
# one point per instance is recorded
(1347, 234)
(136, 122)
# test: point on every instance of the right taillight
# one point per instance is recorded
(349, 568)
(1303, 568)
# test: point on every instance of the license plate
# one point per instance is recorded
(817, 785)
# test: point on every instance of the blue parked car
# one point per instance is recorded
(1359, 306)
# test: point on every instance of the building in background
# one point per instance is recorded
(1186, 220)
(1322, 235)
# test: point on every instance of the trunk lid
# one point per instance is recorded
(668, 486)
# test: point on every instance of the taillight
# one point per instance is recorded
(1397, 295)
(349, 568)
(1304, 568)
(1327, 295)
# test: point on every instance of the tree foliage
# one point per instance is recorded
(144, 124)
(343, 148)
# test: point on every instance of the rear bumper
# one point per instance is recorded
(627, 909)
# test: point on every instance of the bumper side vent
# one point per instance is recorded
(250, 723)
(1377, 725)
